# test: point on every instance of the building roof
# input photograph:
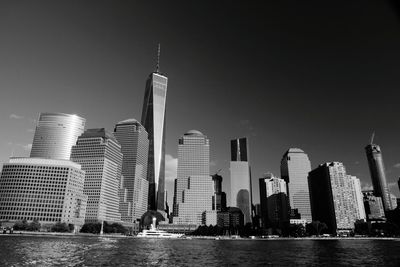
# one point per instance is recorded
(128, 121)
(194, 132)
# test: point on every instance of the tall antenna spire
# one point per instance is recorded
(158, 58)
(372, 137)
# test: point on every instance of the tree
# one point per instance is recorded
(21, 225)
(93, 228)
(316, 228)
(297, 230)
(60, 227)
(34, 225)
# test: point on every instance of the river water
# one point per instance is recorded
(97, 251)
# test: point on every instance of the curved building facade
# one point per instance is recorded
(55, 135)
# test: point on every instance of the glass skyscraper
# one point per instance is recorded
(153, 119)
(134, 186)
(99, 154)
(295, 167)
(194, 187)
(378, 175)
(241, 178)
(55, 135)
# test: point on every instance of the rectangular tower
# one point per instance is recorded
(241, 178)
(99, 154)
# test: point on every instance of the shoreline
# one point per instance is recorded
(217, 238)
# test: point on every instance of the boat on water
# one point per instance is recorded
(153, 232)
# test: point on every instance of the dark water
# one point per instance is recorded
(95, 251)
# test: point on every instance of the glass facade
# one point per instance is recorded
(153, 119)
(295, 167)
(241, 178)
(55, 135)
(378, 175)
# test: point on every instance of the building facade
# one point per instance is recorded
(219, 198)
(274, 202)
(241, 177)
(46, 190)
(100, 156)
(373, 206)
(194, 187)
(295, 167)
(333, 200)
(134, 187)
(378, 174)
(358, 196)
(153, 120)
(55, 135)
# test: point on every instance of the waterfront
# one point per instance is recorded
(109, 251)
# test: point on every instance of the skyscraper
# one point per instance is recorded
(194, 187)
(153, 120)
(274, 201)
(99, 154)
(219, 198)
(55, 134)
(378, 175)
(134, 186)
(373, 206)
(332, 198)
(241, 177)
(358, 196)
(295, 167)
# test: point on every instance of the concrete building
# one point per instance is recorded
(153, 120)
(47, 190)
(378, 174)
(358, 196)
(99, 154)
(194, 187)
(333, 200)
(274, 202)
(55, 135)
(133, 193)
(295, 167)
(373, 207)
(241, 177)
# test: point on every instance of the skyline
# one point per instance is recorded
(276, 84)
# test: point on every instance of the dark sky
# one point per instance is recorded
(318, 75)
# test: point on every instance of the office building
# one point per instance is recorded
(393, 199)
(99, 154)
(46, 190)
(295, 167)
(274, 202)
(333, 200)
(55, 135)
(153, 120)
(194, 187)
(373, 207)
(241, 177)
(133, 138)
(378, 175)
(219, 198)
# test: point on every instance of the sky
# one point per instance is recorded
(317, 75)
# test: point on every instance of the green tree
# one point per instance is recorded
(34, 226)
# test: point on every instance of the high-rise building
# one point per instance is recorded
(133, 138)
(55, 135)
(194, 187)
(153, 120)
(274, 201)
(99, 154)
(219, 198)
(358, 196)
(333, 200)
(46, 190)
(241, 177)
(393, 199)
(378, 175)
(373, 206)
(295, 167)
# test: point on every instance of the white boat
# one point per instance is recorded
(153, 232)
